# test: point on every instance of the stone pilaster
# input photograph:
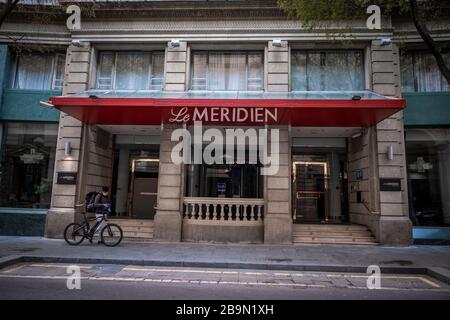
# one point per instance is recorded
(64, 197)
(277, 195)
(277, 188)
(176, 66)
(168, 218)
(277, 75)
(394, 226)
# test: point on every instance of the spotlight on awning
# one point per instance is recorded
(277, 43)
(175, 43)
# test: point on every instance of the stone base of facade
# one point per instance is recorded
(167, 227)
(223, 231)
(395, 231)
(387, 230)
(277, 229)
(57, 220)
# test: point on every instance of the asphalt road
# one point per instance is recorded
(49, 281)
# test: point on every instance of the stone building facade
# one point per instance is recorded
(343, 171)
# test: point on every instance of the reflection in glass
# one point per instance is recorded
(428, 165)
(27, 168)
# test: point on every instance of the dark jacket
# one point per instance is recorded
(99, 202)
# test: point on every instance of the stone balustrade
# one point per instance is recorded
(226, 209)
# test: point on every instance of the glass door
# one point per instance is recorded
(310, 191)
(144, 186)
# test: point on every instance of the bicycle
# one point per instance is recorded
(111, 234)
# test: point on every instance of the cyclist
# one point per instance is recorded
(101, 208)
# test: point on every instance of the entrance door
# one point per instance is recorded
(310, 191)
(145, 188)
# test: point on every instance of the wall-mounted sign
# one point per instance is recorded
(390, 184)
(67, 178)
(359, 174)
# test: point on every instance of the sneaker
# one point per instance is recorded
(100, 242)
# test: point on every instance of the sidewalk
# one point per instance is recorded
(279, 257)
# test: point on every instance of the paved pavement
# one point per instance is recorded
(233, 255)
(27, 280)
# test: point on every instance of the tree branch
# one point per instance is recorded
(425, 34)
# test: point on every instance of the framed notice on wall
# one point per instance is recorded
(67, 178)
(390, 184)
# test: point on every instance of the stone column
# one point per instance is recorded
(64, 197)
(168, 218)
(394, 225)
(277, 188)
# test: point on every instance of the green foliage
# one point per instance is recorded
(313, 13)
(45, 186)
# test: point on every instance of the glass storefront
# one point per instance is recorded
(28, 158)
(224, 181)
(241, 179)
(428, 167)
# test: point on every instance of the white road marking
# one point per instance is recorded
(263, 284)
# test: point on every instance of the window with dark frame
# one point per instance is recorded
(126, 70)
(227, 71)
(38, 71)
(420, 73)
(327, 70)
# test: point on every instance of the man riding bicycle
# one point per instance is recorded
(101, 208)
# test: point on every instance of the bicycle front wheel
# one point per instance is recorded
(111, 235)
(74, 234)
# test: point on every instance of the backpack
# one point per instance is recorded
(89, 201)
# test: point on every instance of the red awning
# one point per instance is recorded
(225, 111)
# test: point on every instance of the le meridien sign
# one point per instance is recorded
(224, 115)
(226, 146)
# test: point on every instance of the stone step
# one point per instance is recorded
(132, 222)
(337, 227)
(137, 228)
(332, 234)
(374, 243)
(145, 235)
(363, 233)
(135, 239)
(334, 238)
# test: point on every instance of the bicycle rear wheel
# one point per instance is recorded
(74, 234)
(111, 235)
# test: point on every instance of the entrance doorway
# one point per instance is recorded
(144, 184)
(319, 188)
(135, 182)
(310, 185)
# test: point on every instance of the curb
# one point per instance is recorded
(441, 274)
